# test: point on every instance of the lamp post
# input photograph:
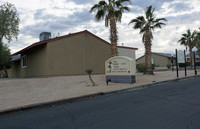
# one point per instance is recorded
(194, 51)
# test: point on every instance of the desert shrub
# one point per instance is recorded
(141, 68)
(183, 64)
(168, 66)
(197, 63)
(153, 66)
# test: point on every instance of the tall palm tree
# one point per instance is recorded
(112, 11)
(147, 24)
(197, 41)
(187, 40)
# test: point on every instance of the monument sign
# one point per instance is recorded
(120, 69)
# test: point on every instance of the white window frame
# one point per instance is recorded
(24, 66)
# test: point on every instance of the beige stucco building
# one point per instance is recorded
(66, 55)
(159, 59)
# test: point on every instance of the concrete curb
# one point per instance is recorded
(75, 99)
(150, 85)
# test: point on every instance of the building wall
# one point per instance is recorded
(36, 63)
(127, 52)
(16, 69)
(96, 54)
(67, 56)
(141, 60)
(158, 60)
(161, 61)
(74, 55)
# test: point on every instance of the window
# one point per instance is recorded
(24, 62)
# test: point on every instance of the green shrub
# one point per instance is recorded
(183, 64)
(153, 66)
(141, 68)
(168, 66)
(197, 63)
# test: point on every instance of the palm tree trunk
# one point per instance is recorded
(113, 35)
(191, 54)
(198, 47)
(93, 84)
(148, 56)
(147, 44)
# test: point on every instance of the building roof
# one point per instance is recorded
(168, 55)
(163, 54)
(66, 36)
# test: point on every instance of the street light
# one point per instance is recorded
(194, 49)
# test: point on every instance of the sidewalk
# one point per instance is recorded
(21, 92)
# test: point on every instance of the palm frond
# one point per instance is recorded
(98, 6)
(100, 15)
(106, 21)
(118, 15)
(125, 8)
(138, 22)
(160, 19)
(157, 25)
(94, 8)
(149, 12)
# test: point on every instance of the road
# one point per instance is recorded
(174, 105)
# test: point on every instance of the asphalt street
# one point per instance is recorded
(174, 105)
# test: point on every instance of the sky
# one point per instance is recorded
(61, 17)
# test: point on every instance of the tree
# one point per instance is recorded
(187, 40)
(89, 72)
(5, 60)
(112, 12)
(9, 29)
(146, 24)
(9, 22)
(197, 41)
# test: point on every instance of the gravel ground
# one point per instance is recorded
(20, 92)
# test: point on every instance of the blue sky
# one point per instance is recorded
(69, 16)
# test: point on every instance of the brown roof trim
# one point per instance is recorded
(46, 41)
(66, 36)
(16, 60)
(32, 45)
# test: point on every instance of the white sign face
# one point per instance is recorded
(180, 56)
(120, 65)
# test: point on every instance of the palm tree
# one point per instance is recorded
(89, 72)
(147, 24)
(197, 41)
(187, 40)
(112, 12)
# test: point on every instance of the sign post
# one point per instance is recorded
(195, 70)
(185, 64)
(176, 63)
